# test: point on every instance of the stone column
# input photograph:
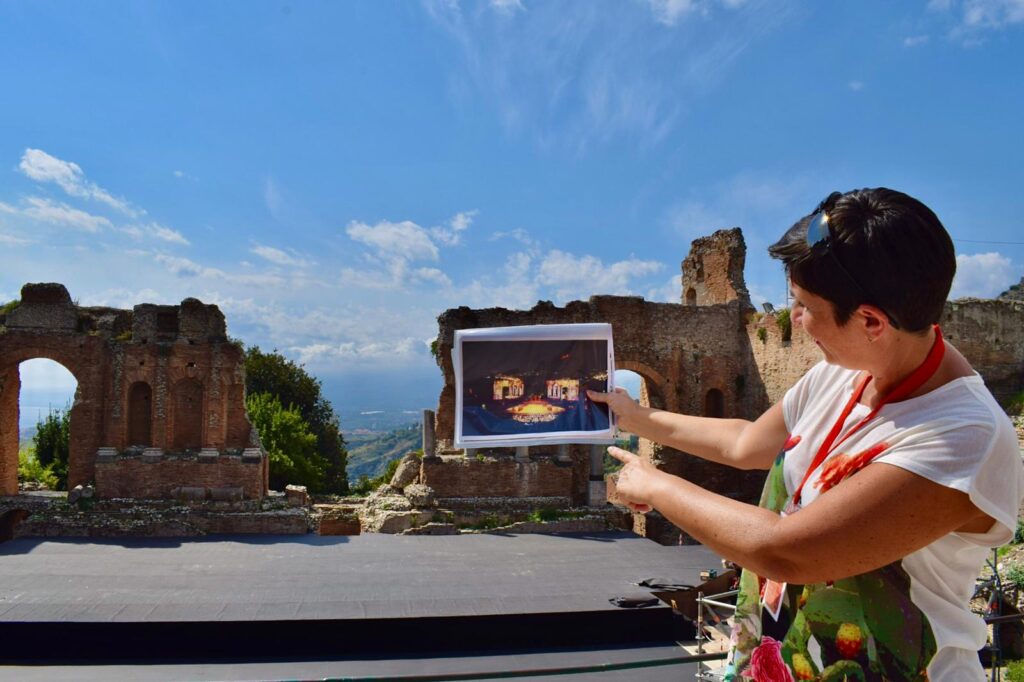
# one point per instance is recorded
(597, 490)
(429, 437)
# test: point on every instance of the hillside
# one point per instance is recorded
(369, 453)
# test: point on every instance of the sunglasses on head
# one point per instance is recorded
(819, 233)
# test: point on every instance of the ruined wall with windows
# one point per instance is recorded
(711, 354)
(159, 387)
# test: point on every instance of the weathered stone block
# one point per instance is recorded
(408, 472)
(419, 495)
(44, 306)
(297, 495)
(340, 525)
(229, 494)
(208, 455)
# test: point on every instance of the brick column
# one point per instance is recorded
(10, 387)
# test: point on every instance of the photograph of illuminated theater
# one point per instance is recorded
(524, 387)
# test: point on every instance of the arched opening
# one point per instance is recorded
(140, 414)
(714, 403)
(46, 395)
(691, 296)
(645, 386)
(188, 415)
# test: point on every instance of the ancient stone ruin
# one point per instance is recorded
(711, 354)
(159, 411)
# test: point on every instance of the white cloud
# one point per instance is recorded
(856, 86)
(182, 175)
(47, 211)
(46, 375)
(432, 275)
(279, 257)
(669, 292)
(451, 234)
(915, 41)
(186, 268)
(579, 277)
(982, 275)
(319, 353)
(405, 240)
(669, 12)
(42, 167)
(507, 7)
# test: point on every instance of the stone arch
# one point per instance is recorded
(10, 389)
(654, 388)
(691, 296)
(187, 415)
(714, 403)
(140, 414)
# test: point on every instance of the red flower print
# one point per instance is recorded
(766, 664)
(841, 466)
(790, 443)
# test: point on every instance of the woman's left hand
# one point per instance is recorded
(638, 480)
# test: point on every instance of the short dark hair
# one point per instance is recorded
(891, 245)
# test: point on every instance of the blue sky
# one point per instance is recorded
(336, 174)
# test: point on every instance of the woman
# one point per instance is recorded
(864, 576)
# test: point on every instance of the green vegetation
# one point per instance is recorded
(1015, 574)
(6, 308)
(762, 334)
(290, 445)
(291, 385)
(785, 324)
(30, 470)
(51, 444)
(1016, 405)
(366, 485)
(369, 454)
(631, 444)
(1015, 671)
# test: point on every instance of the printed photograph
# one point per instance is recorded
(526, 387)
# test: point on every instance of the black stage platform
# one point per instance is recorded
(361, 607)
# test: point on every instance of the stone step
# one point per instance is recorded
(209, 455)
(151, 455)
(106, 454)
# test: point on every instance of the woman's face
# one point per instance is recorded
(840, 344)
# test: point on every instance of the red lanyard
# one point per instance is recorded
(916, 380)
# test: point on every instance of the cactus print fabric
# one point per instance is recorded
(860, 628)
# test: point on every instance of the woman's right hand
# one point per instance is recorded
(620, 402)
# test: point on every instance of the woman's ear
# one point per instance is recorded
(873, 320)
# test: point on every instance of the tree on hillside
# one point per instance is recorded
(292, 385)
(289, 443)
(51, 444)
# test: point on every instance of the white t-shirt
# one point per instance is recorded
(956, 436)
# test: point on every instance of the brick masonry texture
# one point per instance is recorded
(132, 477)
(165, 377)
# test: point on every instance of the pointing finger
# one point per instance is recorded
(621, 455)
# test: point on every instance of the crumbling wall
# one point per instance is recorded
(121, 356)
(712, 272)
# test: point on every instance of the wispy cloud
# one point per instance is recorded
(404, 240)
(915, 41)
(856, 86)
(11, 240)
(42, 167)
(578, 74)
(279, 257)
(47, 211)
(975, 18)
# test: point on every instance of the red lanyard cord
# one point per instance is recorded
(914, 381)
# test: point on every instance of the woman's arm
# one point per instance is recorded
(871, 519)
(737, 443)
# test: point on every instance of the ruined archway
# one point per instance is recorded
(714, 403)
(187, 415)
(46, 395)
(140, 414)
(164, 377)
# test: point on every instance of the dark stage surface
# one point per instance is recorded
(362, 606)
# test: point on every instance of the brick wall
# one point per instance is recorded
(133, 477)
(469, 477)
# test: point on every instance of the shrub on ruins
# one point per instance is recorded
(31, 471)
(291, 446)
(51, 444)
(292, 385)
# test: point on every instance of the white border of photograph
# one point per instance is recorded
(536, 332)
